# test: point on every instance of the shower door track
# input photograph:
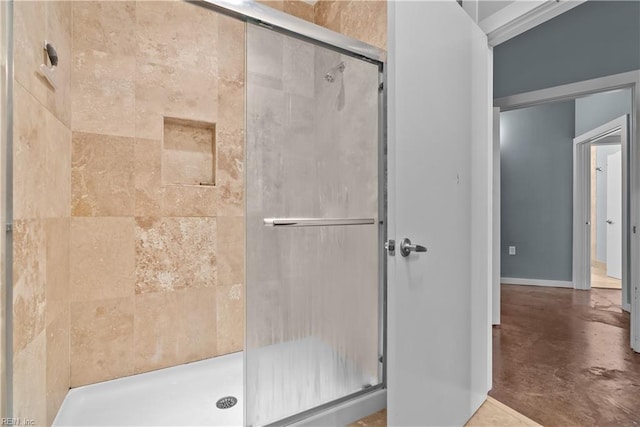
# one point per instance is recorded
(255, 13)
(251, 12)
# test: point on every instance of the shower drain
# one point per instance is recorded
(226, 402)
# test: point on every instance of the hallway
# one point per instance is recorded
(562, 358)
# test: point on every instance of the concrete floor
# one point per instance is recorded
(561, 357)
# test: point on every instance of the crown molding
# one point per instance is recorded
(522, 16)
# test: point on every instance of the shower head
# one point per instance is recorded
(330, 76)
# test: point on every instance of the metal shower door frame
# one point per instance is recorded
(6, 208)
(251, 12)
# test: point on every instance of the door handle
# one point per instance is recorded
(406, 247)
(609, 222)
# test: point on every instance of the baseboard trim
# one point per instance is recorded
(536, 282)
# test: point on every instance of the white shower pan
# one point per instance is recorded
(184, 395)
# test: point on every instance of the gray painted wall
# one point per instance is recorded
(536, 183)
(595, 110)
(602, 152)
(595, 39)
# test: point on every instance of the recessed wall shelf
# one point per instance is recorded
(188, 152)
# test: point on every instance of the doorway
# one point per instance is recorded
(578, 92)
(592, 320)
(606, 213)
(601, 224)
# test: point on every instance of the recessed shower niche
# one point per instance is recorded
(188, 152)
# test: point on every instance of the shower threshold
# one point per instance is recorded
(184, 395)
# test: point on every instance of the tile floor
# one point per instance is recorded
(599, 279)
(491, 414)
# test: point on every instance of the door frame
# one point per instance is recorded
(582, 203)
(570, 91)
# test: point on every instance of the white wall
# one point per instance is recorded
(602, 152)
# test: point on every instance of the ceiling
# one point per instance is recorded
(489, 7)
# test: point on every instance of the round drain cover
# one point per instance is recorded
(226, 402)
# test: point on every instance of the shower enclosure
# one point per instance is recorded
(219, 219)
(312, 226)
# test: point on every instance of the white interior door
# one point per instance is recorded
(440, 178)
(614, 215)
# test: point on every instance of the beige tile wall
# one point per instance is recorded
(361, 19)
(153, 262)
(42, 174)
(133, 64)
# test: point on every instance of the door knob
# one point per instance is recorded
(609, 222)
(406, 247)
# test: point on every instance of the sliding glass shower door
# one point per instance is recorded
(312, 285)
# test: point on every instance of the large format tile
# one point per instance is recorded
(230, 250)
(175, 253)
(147, 177)
(231, 47)
(366, 21)
(177, 65)
(230, 198)
(102, 175)
(101, 340)
(177, 33)
(102, 258)
(103, 92)
(57, 287)
(157, 330)
(105, 26)
(29, 382)
(198, 337)
(172, 91)
(189, 200)
(300, 9)
(230, 311)
(232, 108)
(361, 20)
(493, 413)
(328, 13)
(42, 159)
(29, 281)
(58, 364)
(230, 158)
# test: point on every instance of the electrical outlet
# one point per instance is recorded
(512, 250)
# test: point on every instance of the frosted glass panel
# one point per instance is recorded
(312, 292)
